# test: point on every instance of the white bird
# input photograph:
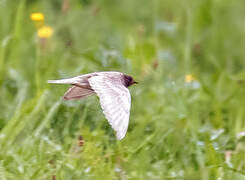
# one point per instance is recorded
(111, 87)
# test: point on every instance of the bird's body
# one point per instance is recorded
(111, 87)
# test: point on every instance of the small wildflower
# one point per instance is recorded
(189, 78)
(37, 17)
(191, 81)
(45, 32)
(240, 134)
(87, 170)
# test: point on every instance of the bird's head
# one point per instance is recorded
(129, 80)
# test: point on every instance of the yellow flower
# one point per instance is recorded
(189, 78)
(45, 32)
(37, 17)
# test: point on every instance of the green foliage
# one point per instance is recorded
(178, 129)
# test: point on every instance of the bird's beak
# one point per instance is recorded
(136, 82)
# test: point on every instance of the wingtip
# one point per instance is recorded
(120, 136)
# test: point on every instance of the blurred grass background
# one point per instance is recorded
(187, 116)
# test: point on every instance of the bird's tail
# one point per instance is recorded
(63, 81)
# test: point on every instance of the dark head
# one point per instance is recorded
(129, 81)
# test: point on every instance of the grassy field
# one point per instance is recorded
(188, 111)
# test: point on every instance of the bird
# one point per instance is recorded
(112, 89)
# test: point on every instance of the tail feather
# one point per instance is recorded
(63, 81)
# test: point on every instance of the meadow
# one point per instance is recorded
(187, 112)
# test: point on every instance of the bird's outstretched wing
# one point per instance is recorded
(77, 93)
(115, 101)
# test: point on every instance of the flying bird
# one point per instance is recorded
(112, 90)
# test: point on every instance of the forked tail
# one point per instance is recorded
(63, 81)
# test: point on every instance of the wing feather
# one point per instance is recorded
(115, 101)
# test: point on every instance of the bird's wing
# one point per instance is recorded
(76, 93)
(115, 101)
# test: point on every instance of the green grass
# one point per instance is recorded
(177, 130)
